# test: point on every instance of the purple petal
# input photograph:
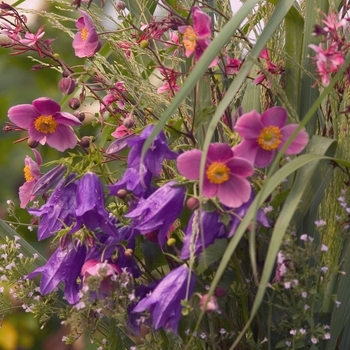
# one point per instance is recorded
(188, 164)
(46, 106)
(249, 125)
(201, 23)
(264, 158)
(234, 192)
(247, 149)
(240, 167)
(276, 116)
(23, 115)
(62, 138)
(298, 143)
(219, 152)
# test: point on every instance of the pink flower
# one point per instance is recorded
(264, 134)
(120, 131)
(32, 39)
(169, 84)
(31, 175)
(115, 95)
(196, 39)
(46, 123)
(225, 174)
(86, 42)
(233, 65)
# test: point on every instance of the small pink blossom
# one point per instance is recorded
(121, 131)
(169, 84)
(33, 39)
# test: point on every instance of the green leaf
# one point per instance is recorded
(211, 254)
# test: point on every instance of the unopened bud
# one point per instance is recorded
(171, 241)
(85, 141)
(144, 44)
(66, 85)
(219, 292)
(210, 306)
(129, 122)
(79, 115)
(120, 5)
(128, 253)
(74, 103)
(122, 194)
(31, 143)
(192, 203)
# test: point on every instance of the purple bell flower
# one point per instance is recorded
(159, 210)
(59, 209)
(165, 301)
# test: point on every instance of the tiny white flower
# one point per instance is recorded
(104, 341)
(303, 237)
(320, 223)
(327, 336)
(324, 248)
(314, 340)
(35, 256)
(337, 303)
(302, 331)
(2, 289)
(293, 332)
(268, 209)
(324, 269)
(306, 306)
(288, 343)
(222, 331)
(64, 338)
(203, 335)
(30, 228)
(304, 294)
(287, 285)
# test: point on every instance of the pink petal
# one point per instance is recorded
(247, 149)
(24, 193)
(33, 166)
(201, 23)
(39, 160)
(276, 116)
(249, 125)
(35, 134)
(264, 158)
(67, 119)
(23, 115)
(240, 167)
(219, 152)
(234, 192)
(188, 164)
(298, 143)
(62, 138)
(209, 189)
(46, 106)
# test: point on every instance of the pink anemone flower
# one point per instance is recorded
(86, 42)
(265, 134)
(46, 123)
(225, 174)
(196, 38)
(32, 175)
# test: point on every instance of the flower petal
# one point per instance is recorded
(249, 125)
(264, 158)
(246, 149)
(240, 166)
(62, 138)
(23, 115)
(46, 106)
(298, 143)
(234, 192)
(276, 116)
(67, 119)
(188, 164)
(219, 152)
(201, 23)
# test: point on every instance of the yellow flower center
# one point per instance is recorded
(28, 174)
(218, 173)
(270, 138)
(190, 39)
(46, 124)
(84, 34)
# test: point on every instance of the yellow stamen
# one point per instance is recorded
(28, 174)
(189, 39)
(46, 124)
(84, 34)
(218, 173)
(270, 138)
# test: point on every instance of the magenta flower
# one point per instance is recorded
(33, 39)
(46, 123)
(169, 83)
(264, 134)
(196, 38)
(86, 42)
(225, 174)
(31, 175)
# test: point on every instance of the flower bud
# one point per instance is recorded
(210, 306)
(120, 5)
(192, 203)
(85, 141)
(219, 292)
(129, 122)
(171, 241)
(79, 115)
(144, 44)
(66, 85)
(122, 194)
(31, 143)
(128, 253)
(74, 103)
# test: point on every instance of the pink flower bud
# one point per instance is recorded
(74, 103)
(66, 85)
(211, 306)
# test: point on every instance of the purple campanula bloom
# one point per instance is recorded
(86, 42)
(90, 207)
(225, 174)
(159, 211)
(155, 155)
(46, 123)
(263, 135)
(63, 266)
(31, 175)
(165, 301)
(59, 209)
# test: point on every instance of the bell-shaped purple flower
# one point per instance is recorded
(59, 209)
(63, 266)
(90, 207)
(159, 211)
(86, 42)
(165, 301)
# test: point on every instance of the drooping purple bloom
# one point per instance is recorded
(59, 209)
(196, 38)
(164, 303)
(225, 173)
(265, 134)
(63, 266)
(90, 207)
(86, 42)
(159, 211)
(155, 155)
(31, 175)
(46, 123)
